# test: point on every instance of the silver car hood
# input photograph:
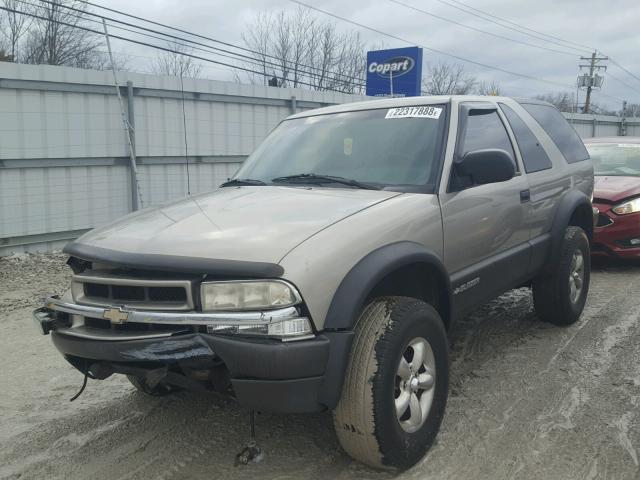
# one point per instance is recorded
(258, 224)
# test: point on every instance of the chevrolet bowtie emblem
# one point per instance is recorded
(116, 316)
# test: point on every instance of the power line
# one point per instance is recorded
(138, 42)
(621, 81)
(623, 69)
(510, 39)
(176, 39)
(204, 37)
(457, 57)
(516, 27)
(469, 7)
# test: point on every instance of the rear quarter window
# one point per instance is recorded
(562, 134)
(533, 155)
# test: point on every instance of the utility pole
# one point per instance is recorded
(136, 195)
(592, 79)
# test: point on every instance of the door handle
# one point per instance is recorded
(525, 196)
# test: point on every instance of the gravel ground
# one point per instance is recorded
(528, 400)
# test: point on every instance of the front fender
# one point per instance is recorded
(350, 297)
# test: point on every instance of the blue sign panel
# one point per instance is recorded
(396, 72)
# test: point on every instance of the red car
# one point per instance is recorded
(616, 163)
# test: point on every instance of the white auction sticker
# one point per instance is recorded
(414, 112)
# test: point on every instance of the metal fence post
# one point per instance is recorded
(132, 135)
(594, 127)
(623, 120)
(294, 104)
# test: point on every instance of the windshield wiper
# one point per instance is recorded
(315, 178)
(242, 181)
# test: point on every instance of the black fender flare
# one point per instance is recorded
(569, 204)
(352, 293)
(349, 301)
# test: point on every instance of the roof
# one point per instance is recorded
(612, 140)
(408, 102)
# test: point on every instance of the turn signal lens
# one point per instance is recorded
(291, 329)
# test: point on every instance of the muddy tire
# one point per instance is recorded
(400, 351)
(159, 390)
(559, 298)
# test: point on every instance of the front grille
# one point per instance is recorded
(603, 220)
(132, 293)
(103, 324)
(629, 243)
(135, 292)
(167, 294)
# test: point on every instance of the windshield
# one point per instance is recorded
(615, 159)
(382, 147)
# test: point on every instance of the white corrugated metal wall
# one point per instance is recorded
(64, 165)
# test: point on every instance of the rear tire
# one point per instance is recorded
(559, 298)
(159, 390)
(396, 384)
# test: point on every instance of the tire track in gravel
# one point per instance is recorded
(524, 404)
(558, 386)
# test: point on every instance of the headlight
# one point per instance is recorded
(247, 295)
(632, 206)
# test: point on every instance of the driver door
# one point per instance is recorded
(486, 234)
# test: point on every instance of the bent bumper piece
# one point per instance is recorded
(265, 374)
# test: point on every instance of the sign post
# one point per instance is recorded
(396, 72)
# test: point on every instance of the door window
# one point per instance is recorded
(485, 130)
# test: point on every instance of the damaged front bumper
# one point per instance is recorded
(260, 373)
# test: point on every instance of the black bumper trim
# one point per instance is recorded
(281, 396)
(267, 375)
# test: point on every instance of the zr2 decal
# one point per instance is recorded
(466, 285)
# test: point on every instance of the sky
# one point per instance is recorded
(610, 26)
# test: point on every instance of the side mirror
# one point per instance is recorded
(485, 166)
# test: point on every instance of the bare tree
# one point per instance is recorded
(490, 88)
(563, 101)
(448, 79)
(632, 110)
(177, 62)
(297, 50)
(598, 109)
(55, 38)
(14, 26)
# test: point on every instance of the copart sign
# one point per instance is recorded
(396, 72)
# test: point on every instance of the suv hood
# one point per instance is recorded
(613, 189)
(256, 224)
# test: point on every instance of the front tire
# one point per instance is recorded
(559, 298)
(396, 385)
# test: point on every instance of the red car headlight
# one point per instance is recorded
(630, 206)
